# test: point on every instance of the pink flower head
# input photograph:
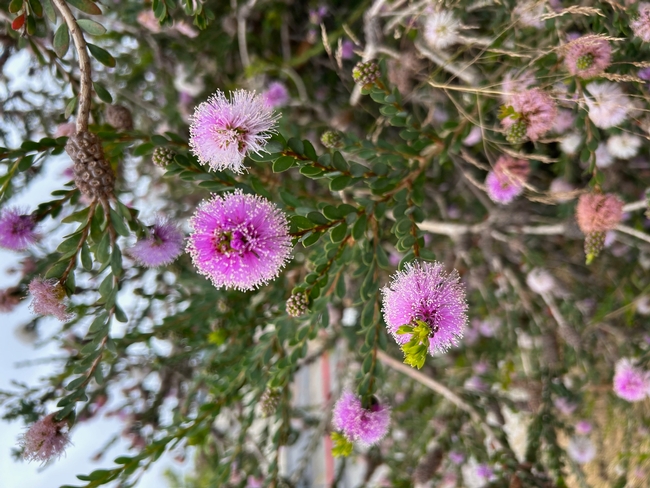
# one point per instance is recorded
(564, 121)
(347, 49)
(45, 439)
(49, 298)
(536, 110)
(581, 449)
(641, 25)
(239, 241)
(456, 457)
(223, 131)
(147, 19)
(506, 180)
(425, 292)
(630, 383)
(564, 406)
(484, 471)
(276, 95)
(163, 246)
(367, 426)
(17, 229)
(608, 105)
(587, 56)
(583, 427)
(598, 212)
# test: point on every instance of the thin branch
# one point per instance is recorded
(85, 88)
(633, 232)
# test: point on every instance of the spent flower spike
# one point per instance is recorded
(366, 426)
(223, 131)
(45, 440)
(239, 241)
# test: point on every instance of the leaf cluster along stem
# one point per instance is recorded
(293, 154)
(85, 85)
(82, 240)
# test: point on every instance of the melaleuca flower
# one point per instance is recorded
(583, 427)
(564, 406)
(560, 189)
(603, 158)
(456, 457)
(441, 29)
(45, 440)
(598, 212)
(506, 180)
(428, 301)
(540, 281)
(630, 383)
(65, 130)
(641, 25)
(223, 131)
(17, 229)
(529, 13)
(608, 105)
(48, 298)
(239, 241)
(515, 82)
(624, 146)
(163, 245)
(531, 115)
(587, 56)
(564, 121)
(366, 426)
(276, 95)
(570, 143)
(581, 449)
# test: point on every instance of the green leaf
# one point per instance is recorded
(332, 213)
(101, 55)
(337, 234)
(301, 222)
(75, 383)
(37, 8)
(340, 183)
(69, 244)
(103, 249)
(339, 162)
(86, 6)
(69, 108)
(102, 93)
(61, 41)
(118, 224)
(80, 216)
(116, 261)
(91, 27)
(311, 239)
(317, 218)
(144, 148)
(15, 6)
(86, 260)
(49, 10)
(296, 145)
(359, 228)
(283, 163)
(106, 287)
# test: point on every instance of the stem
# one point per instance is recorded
(84, 236)
(85, 88)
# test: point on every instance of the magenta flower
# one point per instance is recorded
(48, 298)
(536, 110)
(358, 424)
(588, 56)
(239, 241)
(484, 471)
(276, 95)
(506, 180)
(564, 406)
(456, 457)
(45, 440)
(223, 132)
(425, 292)
(163, 246)
(630, 383)
(641, 25)
(583, 427)
(17, 229)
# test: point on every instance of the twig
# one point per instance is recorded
(567, 332)
(633, 232)
(85, 88)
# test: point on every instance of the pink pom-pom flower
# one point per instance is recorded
(239, 241)
(48, 298)
(506, 180)
(17, 230)
(608, 105)
(630, 382)
(641, 25)
(598, 212)
(163, 246)
(223, 131)
(366, 426)
(276, 95)
(425, 292)
(536, 112)
(45, 440)
(588, 56)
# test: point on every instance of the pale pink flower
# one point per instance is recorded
(564, 406)
(45, 440)
(564, 121)
(65, 130)
(161, 247)
(186, 29)
(147, 19)
(48, 298)
(630, 382)
(581, 449)
(641, 25)
(597, 212)
(441, 29)
(276, 95)
(608, 105)
(474, 137)
(624, 146)
(603, 158)
(516, 82)
(536, 110)
(224, 131)
(540, 281)
(583, 427)
(559, 189)
(587, 56)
